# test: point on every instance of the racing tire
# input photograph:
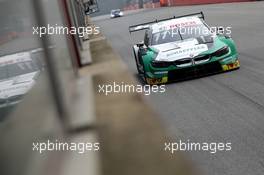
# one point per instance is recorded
(140, 72)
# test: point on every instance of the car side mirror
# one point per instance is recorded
(140, 44)
(221, 31)
(227, 36)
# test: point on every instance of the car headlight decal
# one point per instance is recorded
(224, 50)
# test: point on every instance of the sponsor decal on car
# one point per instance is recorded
(176, 23)
(231, 66)
(183, 52)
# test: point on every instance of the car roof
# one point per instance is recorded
(115, 10)
(176, 23)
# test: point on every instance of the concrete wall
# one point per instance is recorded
(134, 6)
(105, 6)
(196, 2)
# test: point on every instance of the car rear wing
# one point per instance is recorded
(144, 26)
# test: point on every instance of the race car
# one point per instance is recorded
(116, 13)
(18, 75)
(181, 48)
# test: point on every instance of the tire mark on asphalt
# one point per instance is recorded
(261, 164)
(242, 95)
(249, 73)
(251, 56)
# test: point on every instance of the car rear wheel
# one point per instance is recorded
(140, 68)
(140, 65)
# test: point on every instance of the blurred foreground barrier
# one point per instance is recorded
(164, 3)
(130, 135)
(197, 2)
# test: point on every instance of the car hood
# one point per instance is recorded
(18, 85)
(181, 49)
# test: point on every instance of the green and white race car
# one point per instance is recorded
(182, 47)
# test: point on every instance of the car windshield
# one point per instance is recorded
(12, 70)
(177, 34)
(115, 11)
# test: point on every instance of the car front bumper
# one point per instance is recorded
(210, 68)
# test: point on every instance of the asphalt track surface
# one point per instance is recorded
(227, 107)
